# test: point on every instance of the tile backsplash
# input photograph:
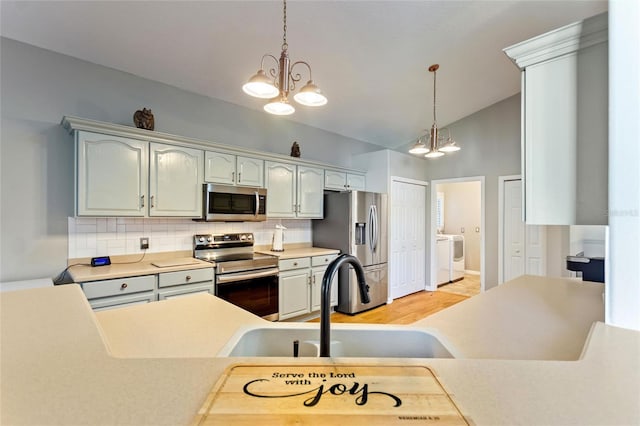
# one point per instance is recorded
(90, 237)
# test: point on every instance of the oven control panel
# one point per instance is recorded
(202, 241)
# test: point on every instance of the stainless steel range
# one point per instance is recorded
(246, 279)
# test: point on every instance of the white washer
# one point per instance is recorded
(443, 255)
(457, 257)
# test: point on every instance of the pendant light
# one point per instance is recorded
(438, 146)
(281, 80)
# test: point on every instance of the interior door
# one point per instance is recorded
(407, 233)
(524, 245)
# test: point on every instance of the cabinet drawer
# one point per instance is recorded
(121, 301)
(185, 290)
(323, 260)
(168, 279)
(119, 286)
(297, 263)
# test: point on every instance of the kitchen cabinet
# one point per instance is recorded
(343, 181)
(111, 175)
(294, 191)
(175, 181)
(318, 268)
(118, 176)
(300, 282)
(125, 291)
(565, 124)
(182, 283)
(230, 169)
(119, 292)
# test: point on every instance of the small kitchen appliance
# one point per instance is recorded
(244, 278)
(225, 203)
(278, 238)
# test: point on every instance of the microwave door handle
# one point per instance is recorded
(257, 204)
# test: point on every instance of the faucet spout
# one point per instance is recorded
(325, 297)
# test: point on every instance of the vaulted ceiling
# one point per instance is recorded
(370, 58)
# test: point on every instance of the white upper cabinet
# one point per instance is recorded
(118, 176)
(230, 169)
(565, 124)
(342, 181)
(111, 175)
(175, 181)
(294, 191)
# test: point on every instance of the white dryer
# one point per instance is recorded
(443, 256)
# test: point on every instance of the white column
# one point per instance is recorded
(623, 280)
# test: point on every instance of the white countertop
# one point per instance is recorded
(154, 364)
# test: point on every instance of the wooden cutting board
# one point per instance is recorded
(257, 395)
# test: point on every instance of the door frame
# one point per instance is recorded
(501, 182)
(432, 283)
(425, 184)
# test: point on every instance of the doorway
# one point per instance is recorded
(472, 235)
(521, 247)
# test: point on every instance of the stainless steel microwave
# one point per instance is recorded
(222, 203)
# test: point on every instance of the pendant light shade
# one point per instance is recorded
(438, 146)
(282, 79)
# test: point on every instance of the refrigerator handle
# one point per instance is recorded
(371, 228)
(376, 229)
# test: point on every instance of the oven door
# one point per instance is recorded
(254, 291)
(234, 203)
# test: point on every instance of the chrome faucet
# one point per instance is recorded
(325, 297)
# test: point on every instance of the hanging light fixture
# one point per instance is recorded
(281, 80)
(438, 146)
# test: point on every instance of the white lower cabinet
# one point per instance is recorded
(300, 284)
(119, 292)
(115, 293)
(182, 283)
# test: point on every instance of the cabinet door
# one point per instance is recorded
(176, 177)
(310, 192)
(355, 182)
(335, 180)
(281, 189)
(316, 287)
(220, 168)
(111, 175)
(250, 172)
(293, 293)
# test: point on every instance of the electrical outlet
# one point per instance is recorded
(144, 243)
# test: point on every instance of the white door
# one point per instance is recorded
(250, 172)
(280, 180)
(524, 245)
(220, 167)
(112, 175)
(310, 192)
(175, 181)
(407, 260)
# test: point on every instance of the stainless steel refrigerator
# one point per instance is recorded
(356, 223)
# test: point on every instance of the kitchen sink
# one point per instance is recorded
(379, 342)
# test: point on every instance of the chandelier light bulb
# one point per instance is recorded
(260, 86)
(434, 154)
(279, 106)
(310, 95)
(419, 148)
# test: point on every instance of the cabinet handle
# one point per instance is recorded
(123, 286)
(314, 279)
(142, 199)
(233, 176)
(188, 278)
(152, 202)
(295, 263)
(239, 177)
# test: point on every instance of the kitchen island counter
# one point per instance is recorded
(60, 365)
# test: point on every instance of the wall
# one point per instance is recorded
(490, 141)
(39, 87)
(462, 215)
(90, 237)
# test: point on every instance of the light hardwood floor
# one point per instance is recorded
(468, 286)
(404, 310)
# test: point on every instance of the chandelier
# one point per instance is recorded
(281, 80)
(438, 145)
